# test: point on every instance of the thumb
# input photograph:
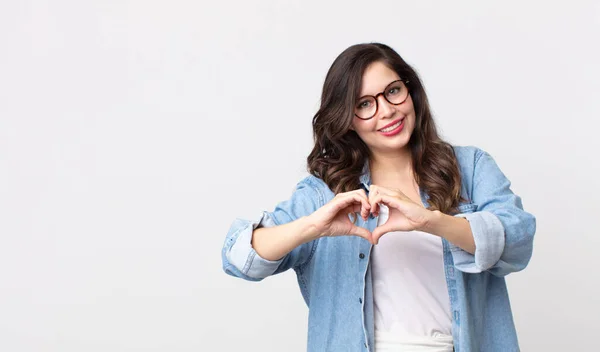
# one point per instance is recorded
(364, 233)
(380, 231)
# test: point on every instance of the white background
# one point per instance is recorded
(132, 134)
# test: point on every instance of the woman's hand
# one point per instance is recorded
(332, 219)
(404, 214)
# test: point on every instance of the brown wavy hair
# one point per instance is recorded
(339, 155)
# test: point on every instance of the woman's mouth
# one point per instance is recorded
(392, 129)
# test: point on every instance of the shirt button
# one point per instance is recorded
(361, 256)
(360, 300)
(456, 316)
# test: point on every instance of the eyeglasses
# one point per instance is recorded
(395, 93)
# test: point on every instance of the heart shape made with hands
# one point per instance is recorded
(404, 213)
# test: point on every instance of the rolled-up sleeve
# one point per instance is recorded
(503, 232)
(239, 257)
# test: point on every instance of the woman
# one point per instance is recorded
(400, 241)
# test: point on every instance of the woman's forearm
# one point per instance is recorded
(454, 229)
(273, 243)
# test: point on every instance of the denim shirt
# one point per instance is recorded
(335, 277)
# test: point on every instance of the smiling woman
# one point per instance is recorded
(419, 264)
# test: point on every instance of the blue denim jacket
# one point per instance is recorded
(335, 277)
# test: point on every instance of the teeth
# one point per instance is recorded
(392, 127)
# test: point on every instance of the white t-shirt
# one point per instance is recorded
(409, 285)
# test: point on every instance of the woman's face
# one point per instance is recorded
(392, 125)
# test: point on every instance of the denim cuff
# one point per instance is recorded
(488, 233)
(244, 257)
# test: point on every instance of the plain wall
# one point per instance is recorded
(133, 133)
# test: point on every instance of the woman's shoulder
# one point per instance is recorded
(476, 162)
(311, 191)
(468, 156)
(472, 160)
(316, 184)
(467, 152)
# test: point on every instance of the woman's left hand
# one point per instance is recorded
(404, 213)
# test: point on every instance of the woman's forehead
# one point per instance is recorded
(376, 77)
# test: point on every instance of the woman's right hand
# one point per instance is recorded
(332, 218)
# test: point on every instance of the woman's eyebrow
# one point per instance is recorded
(364, 95)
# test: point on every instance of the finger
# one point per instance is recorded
(382, 190)
(393, 192)
(352, 210)
(346, 200)
(367, 209)
(373, 192)
(362, 194)
(387, 200)
(376, 197)
(364, 202)
(356, 208)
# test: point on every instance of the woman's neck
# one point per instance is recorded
(392, 169)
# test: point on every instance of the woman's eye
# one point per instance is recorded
(365, 104)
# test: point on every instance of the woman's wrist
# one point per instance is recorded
(454, 229)
(308, 229)
(433, 222)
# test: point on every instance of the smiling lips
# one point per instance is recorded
(393, 128)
